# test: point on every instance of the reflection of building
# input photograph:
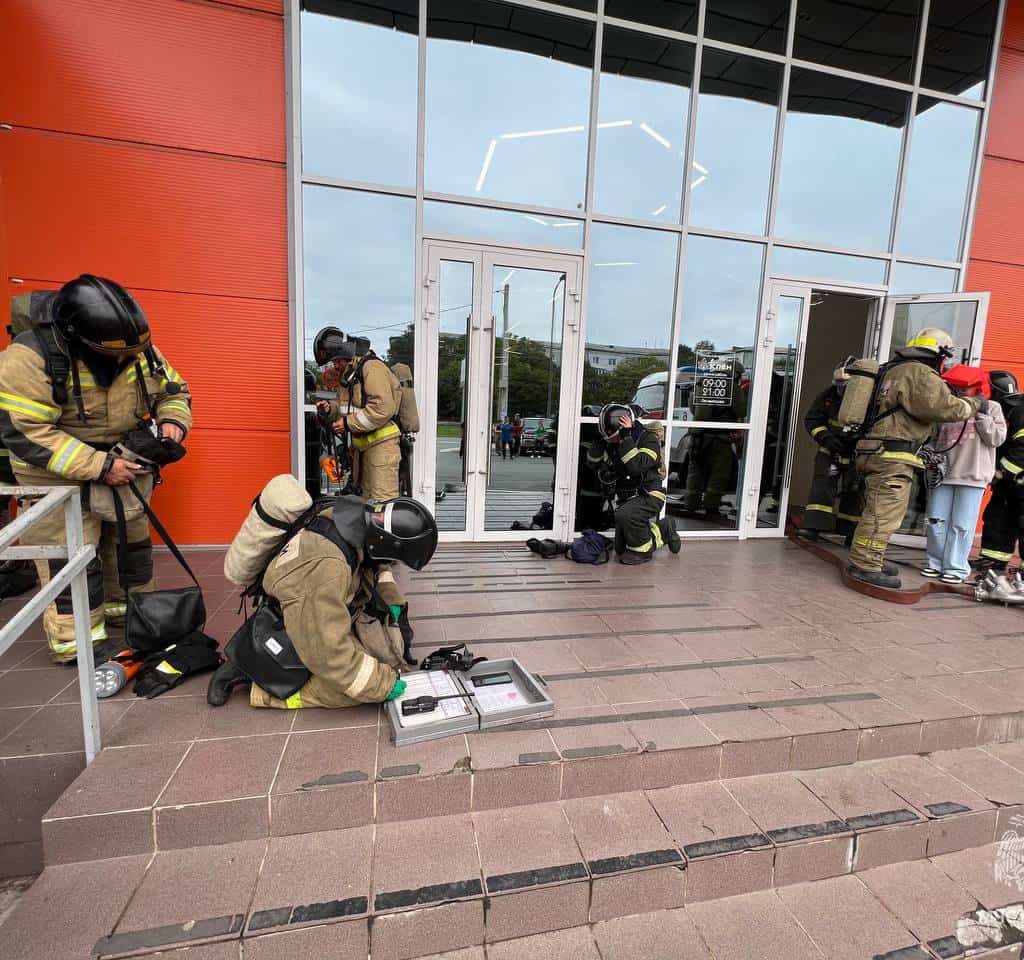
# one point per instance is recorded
(885, 128)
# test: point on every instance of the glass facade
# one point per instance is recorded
(685, 152)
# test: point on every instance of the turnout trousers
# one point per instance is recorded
(887, 485)
(636, 523)
(1003, 523)
(375, 469)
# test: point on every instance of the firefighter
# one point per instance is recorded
(911, 398)
(369, 395)
(626, 455)
(1003, 519)
(833, 503)
(342, 610)
(71, 389)
(713, 453)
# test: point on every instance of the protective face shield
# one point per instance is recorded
(1003, 384)
(608, 419)
(936, 342)
(401, 530)
(332, 344)
(101, 315)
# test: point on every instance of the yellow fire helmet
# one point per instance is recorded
(933, 340)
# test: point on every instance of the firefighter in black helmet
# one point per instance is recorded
(1003, 519)
(626, 456)
(342, 611)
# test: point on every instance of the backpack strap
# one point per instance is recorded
(58, 365)
(326, 529)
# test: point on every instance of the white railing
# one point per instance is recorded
(77, 554)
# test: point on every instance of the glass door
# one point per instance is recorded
(500, 353)
(776, 418)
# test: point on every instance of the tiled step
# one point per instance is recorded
(549, 881)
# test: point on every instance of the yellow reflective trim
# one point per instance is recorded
(114, 609)
(629, 455)
(99, 632)
(600, 459)
(834, 423)
(644, 547)
(18, 462)
(382, 433)
(659, 540)
(164, 667)
(911, 458)
(820, 507)
(847, 516)
(923, 342)
(996, 554)
(818, 430)
(1018, 435)
(4, 452)
(659, 494)
(42, 412)
(166, 405)
(1010, 467)
(61, 461)
(294, 702)
(871, 544)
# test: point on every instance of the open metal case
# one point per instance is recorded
(472, 707)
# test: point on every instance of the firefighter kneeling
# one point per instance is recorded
(332, 628)
(626, 455)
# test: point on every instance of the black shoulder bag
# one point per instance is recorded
(157, 619)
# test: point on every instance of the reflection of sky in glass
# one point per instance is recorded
(641, 136)
(721, 292)
(915, 278)
(734, 143)
(358, 101)
(818, 265)
(937, 182)
(505, 125)
(838, 180)
(358, 268)
(956, 318)
(505, 226)
(632, 286)
(531, 295)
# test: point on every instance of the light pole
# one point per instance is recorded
(551, 345)
(503, 381)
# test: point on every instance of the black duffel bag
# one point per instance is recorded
(264, 652)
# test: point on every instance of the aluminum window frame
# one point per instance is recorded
(297, 178)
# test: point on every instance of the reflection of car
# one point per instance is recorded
(537, 437)
(650, 394)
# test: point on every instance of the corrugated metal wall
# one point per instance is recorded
(148, 145)
(997, 245)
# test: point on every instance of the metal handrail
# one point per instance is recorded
(78, 554)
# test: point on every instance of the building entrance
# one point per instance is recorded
(499, 355)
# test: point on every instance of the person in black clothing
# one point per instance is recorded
(626, 455)
(1003, 519)
(833, 503)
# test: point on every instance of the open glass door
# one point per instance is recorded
(499, 352)
(962, 316)
(777, 389)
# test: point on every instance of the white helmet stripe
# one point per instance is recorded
(387, 516)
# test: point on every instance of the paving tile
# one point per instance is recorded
(237, 719)
(602, 653)
(571, 694)
(57, 728)
(621, 895)
(531, 911)
(576, 944)
(962, 830)
(225, 770)
(659, 648)
(784, 808)
(666, 935)
(165, 720)
(705, 818)
(754, 678)
(11, 718)
(994, 779)
(28, 788)
(22, 688)
(409, 872)
(844, 919)
(728, 929)
(921, 896)
(546, 656)
(854, 795)
(676, 750)
(695, 683)
(526, 847)
(620, 832)
(422, 779)
(221, 821)
(816, 860)
(121, 834)
(810, 751)
(633, 689)
(325, 781)
(898, 844)
(748, 758)
(514, 768)
(921, 700)
(923, 784)
(86, 897)
(320, 718)
(470, 953)
(171, 894)
(228, 950)
(974, 869)
(714, 878)
(314, 877)
(349, 939)
(411, 933)
(979, 696)
(604, 757)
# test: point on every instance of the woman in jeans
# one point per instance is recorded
(970, 465)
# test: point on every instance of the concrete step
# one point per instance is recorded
(794, 867)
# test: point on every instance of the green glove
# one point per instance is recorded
(396, 612)
(397, 690)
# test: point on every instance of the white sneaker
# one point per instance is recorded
(931, 574)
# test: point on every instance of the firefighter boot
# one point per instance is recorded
(877, 578)
(631, 558)
(226, 677)
(668, 533)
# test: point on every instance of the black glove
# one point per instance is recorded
(407, 637)
(982, 404)
(165, 669)
(832, 443)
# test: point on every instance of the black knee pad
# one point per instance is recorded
(94, 577)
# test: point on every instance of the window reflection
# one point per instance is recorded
(629, 314)
(359, 78)
(504, 226)
(678, 15)
(751, 23)
(958, 48)
(840, 161)
(508, 100)
(736, 116)
(721, 299)
(956, 317)
(819, 265)
(366, 288)
(705, 474)
(641, 128)
(879, 39)
(938, 180)
(915, 278)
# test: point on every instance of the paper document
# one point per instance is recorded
(431, 683)
(498, 696)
